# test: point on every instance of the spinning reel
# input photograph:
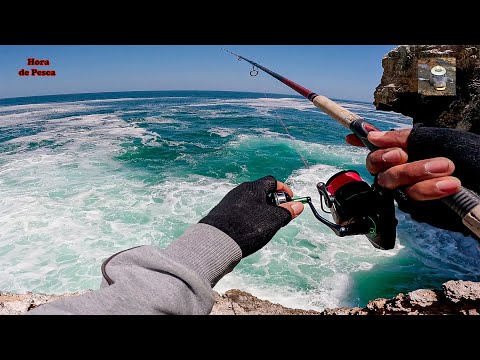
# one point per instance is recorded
(356, 208)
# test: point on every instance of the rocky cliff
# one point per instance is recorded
(455, 297)
(398, 90)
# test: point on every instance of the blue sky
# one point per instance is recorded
(338, 71)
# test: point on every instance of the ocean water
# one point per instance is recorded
(84, 176)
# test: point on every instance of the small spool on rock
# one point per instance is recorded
(438, 77)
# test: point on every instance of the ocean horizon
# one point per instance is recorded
(50, 97)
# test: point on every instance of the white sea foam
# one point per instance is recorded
(192, 197)
(21, 115)
(9, 108)
(222, 132)
(78, 129)
(161, 120)
(131, 99)
(268, 133)
(328, 294)
(80, 103)
(69, 202)
(265, 106)
(439, 249)
(67, 205)
(178, 144)
(269, 103)
(396, 123)
(60, 198)
(356, 106)
(10, 119)
(319, 152)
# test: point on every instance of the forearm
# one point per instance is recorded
(149, 280)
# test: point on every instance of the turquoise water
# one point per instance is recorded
(84, 176)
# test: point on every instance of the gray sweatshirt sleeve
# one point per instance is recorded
(150, 280)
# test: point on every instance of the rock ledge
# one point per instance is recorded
(455, 298)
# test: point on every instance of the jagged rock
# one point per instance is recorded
(16, 304)
(376, 305)
(422, 297)
(237, 302)
(462, 291)
(398, 89)
(344, 311)
(456, 297)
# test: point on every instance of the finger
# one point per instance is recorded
(294, 207)
(354, 140)
(411, 173)
(382, 159)
(386, 139)
(283, 187)
(265, 184)
(434, 188)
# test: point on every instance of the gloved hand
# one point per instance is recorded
(245, 216)
(429, 163)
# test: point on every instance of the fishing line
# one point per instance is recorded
(288, 133)
(253, 73)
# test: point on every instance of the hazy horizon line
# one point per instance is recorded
(183, 90)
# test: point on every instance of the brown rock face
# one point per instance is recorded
(237, 302)
(398, 90)
(456, 297)
(16, 304)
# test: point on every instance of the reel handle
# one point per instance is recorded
(281, 197)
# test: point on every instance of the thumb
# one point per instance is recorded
(294, 207)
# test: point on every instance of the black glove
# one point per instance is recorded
(463, 148)
(245, 216)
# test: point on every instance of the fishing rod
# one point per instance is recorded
(465, 203)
